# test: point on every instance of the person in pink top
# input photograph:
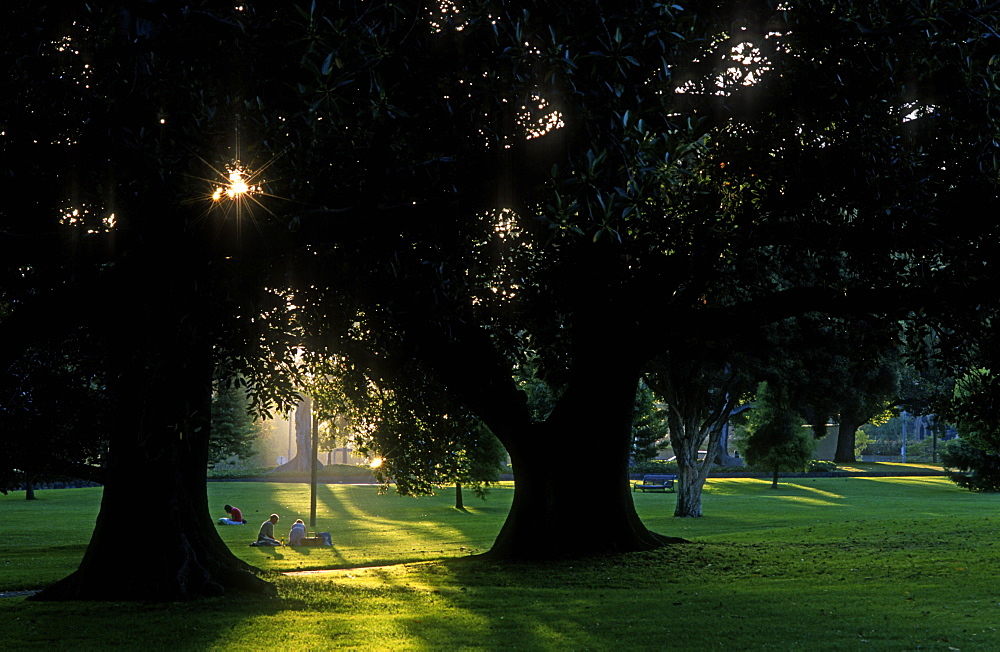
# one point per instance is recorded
(235, 516)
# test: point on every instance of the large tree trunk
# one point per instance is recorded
(572, 494)
(849, 424)
(155, 495)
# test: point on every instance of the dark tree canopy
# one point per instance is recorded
(449, 195)
(54, 414)
(713, 168)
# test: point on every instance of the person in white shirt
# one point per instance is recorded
(297, 533)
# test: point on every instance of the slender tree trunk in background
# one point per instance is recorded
(555, 514)
(314, 465)
(459, 502)
(774, 479)
(692, 473)
(693, 423)
(29, 490)
(698, 408)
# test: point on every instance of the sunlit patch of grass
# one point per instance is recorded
(887, 467)
(367, 528)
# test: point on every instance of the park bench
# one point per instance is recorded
(655, 482)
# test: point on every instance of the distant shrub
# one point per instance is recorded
(970, 467)
(653, 466)
(237, 474)
(328, 472)
(663, 466)
(883, 447)
(821, 466)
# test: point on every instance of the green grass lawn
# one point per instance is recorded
(829, 564)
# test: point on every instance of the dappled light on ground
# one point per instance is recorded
(367, 528)
(883, 563)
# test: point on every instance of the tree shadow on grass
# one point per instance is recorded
(202, 624)
(274, 552)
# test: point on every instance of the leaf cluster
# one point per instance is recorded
(972, 467)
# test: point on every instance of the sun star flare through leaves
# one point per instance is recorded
(237, 186)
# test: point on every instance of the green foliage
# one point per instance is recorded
(887, 440)
(329, 473)
(776, 440)
(649, 424)
(861, 441)
(54, 413)
(835, 367)
(972, 467)
(541, 398)
(239, 474)
(975, 408)
(663, 466)
(821, 466)
(891, 430)
(833, 164)
(484, 459)
(234, 432)
(653, 466)
(923, 450)
(422, 436)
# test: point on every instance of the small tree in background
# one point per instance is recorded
(776, 441)
(861, 441)
(484, 459)
(420, 438)
(649, 425)
(233, 430)
(971, 467)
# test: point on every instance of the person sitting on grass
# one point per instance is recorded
(266, 535)
(297, 536)
(235, 516)
(297, 533)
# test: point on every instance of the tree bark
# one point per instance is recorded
(155, 497)
(774, 479)
(691, 422)
(459, 501)
(723, 458)
(699, 408)
(581, 503)
(303, 439)
(692, 473)
(849, 425)
(29, 490)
